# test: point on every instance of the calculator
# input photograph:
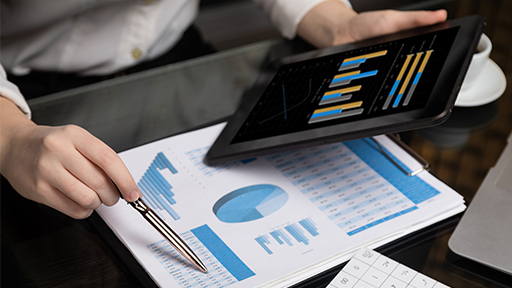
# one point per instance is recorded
(369, 269)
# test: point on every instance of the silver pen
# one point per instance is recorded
(171, 236)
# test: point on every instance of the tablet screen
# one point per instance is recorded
(383, 79)
(394, 83)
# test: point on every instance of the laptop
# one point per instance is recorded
(484, 233)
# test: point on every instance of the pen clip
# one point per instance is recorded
(425, 166)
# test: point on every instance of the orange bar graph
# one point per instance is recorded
(344, 90)
(342, 107)
(411, 71)
(425, 60)
(367, 56)
(347, 74)
(402, 72)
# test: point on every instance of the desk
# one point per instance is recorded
(43, 248)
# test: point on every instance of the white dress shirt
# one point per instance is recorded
(100, 37)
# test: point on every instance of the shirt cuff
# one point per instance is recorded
(287, 14)
(11, 92)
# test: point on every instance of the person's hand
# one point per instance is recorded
(333, 23)
(65, 167)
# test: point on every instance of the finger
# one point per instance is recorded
(93, 177)
(412, 19)
(107, 160)
(74, 189)
(376, 23)
(54, 198)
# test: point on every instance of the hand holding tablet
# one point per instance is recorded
(389, 84)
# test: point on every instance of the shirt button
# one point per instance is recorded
(136, 53)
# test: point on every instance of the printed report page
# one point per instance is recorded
(247, 219)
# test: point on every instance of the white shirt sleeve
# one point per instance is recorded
(11, 92)
(287, 14)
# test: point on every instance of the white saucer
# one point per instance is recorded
(489, 86)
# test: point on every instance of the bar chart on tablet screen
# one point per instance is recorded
(379, 80)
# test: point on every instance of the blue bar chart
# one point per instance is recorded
(289, 234)
(397, 82)
(417, 78)
(338, 95)
(405, 85)
(346, 78)
(156, 190)
(224, 266)
(387, 78)
(407, 79)
(336, 112)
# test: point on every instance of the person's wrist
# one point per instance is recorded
(14, 125)
(326, 23)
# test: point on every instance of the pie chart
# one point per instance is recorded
(250, 203)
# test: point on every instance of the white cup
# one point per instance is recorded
(478, 62)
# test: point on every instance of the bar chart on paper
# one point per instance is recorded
(353, 183)
(155, 188)
(224, 266)
(287, 236)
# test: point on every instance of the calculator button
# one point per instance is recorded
(375, 277)
(344, 280)
(422, 281)
(362, 284)
(392, 282)
(367, 256)
(356, 267)
(385, 264)
(404, 273)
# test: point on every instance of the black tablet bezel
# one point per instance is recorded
(436, 111)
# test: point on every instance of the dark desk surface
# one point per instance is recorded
(43, 248)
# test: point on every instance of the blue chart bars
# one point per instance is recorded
(287, 233)
(225, 268)
(155, 188)
(346, 78)
(223, 253)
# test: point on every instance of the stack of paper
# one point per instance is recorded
(273, 220)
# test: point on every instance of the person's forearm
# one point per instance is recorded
(12, 121)
(321, 25)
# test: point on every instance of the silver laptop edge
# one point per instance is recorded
(484, 233)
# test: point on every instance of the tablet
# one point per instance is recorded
(389, 84)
